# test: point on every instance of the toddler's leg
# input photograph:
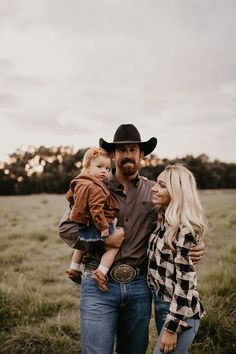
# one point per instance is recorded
(108, 258)
(99, 275)
(74, 272)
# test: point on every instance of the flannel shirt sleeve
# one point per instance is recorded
(180, 307)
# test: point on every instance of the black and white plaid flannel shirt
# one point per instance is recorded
(174, 276)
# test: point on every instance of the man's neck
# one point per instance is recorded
(124, 180)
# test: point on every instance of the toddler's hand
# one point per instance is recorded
(115, 222)
(105, 233)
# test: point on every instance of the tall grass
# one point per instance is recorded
(39, 306)
(217, 278)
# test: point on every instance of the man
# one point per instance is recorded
(124, 310)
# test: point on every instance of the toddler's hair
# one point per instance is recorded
(91, 154)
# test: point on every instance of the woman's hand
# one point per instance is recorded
(168, 341)
(197, 252)
(117, 238)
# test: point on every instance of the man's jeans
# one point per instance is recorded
(123, 311)
(185, 338)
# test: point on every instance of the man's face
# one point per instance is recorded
(127, 158)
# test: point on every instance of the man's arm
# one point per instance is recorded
(117, 238)
(197, 252)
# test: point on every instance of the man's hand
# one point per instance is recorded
(197, 252)
(117, 238)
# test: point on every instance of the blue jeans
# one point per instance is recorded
(122, 312)
(185, 338)
(91, 233)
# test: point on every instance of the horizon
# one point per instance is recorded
(29, 148)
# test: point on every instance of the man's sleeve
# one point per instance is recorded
(69, 232)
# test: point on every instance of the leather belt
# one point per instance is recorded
(123, 273)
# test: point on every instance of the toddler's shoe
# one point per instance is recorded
(100, 279)
(74, 275)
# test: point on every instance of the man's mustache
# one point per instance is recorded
(127, 160)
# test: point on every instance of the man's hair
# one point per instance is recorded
(91, 154)
(185, 209)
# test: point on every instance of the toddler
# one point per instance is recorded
(95, 210)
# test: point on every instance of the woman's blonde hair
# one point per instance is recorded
(185, 209)
(91, 154)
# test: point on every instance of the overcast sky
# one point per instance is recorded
(72, 71)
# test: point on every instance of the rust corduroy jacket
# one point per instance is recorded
(91, 201)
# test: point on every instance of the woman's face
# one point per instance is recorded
(161, 195)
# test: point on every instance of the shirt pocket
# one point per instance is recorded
(148, 215)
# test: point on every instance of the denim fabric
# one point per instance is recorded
(122, 312)
(185, 338)
(91, 233)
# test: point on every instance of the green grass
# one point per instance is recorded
(39, 306)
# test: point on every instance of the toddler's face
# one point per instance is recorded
(100, 167)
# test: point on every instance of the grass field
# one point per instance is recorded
(39, 306)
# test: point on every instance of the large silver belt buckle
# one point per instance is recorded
(123, 273)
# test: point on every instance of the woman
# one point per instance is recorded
(171, 273)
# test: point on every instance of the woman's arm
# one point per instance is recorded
(180, 306)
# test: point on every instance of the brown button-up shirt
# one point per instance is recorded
(137, 215)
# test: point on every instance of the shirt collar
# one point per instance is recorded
(116, 185)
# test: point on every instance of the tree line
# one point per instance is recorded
(50, 170)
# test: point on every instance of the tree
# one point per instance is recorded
(50, 170)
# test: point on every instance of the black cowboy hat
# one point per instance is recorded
(128, 134)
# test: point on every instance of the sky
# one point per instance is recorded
(73, 71)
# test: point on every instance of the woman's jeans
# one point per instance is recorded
(185, 338)
(122, 312)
